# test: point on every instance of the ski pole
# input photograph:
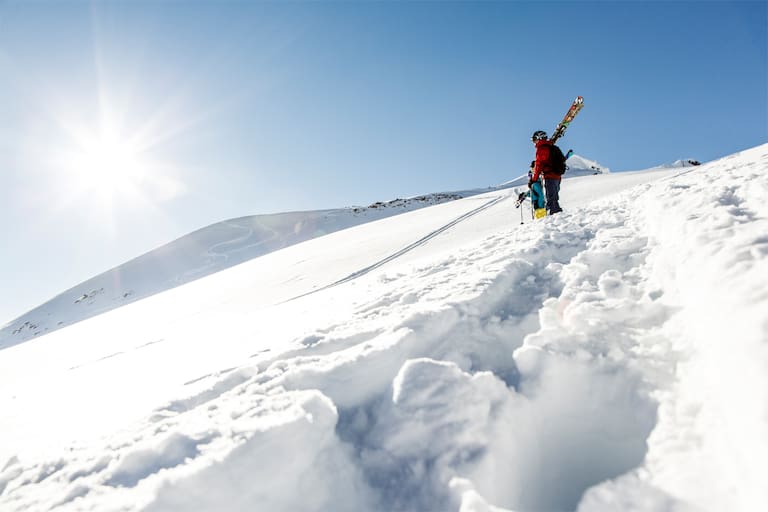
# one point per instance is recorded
(519, 203)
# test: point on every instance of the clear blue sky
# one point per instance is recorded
(226, 109)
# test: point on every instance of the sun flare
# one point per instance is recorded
(107, 163)
(110, 162)
(114, 169)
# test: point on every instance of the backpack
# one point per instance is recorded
(556, 160)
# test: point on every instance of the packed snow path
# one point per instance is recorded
(613, 357)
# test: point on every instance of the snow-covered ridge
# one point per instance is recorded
(580, 166)
(683, 163)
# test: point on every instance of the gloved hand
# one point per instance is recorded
(530, 182)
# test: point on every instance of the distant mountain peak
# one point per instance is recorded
(580, 165)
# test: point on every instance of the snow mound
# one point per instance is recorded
(580, 166)
(686, 162)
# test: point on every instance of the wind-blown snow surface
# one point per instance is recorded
(613, 357)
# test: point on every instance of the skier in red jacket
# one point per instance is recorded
(544, 167)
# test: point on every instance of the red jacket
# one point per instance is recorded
(542, 162)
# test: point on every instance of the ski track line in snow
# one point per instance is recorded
(212, 251)
(405, 250)
(218, 258)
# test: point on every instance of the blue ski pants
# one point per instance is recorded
(552, 191)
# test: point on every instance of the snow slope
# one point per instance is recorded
(612, 357)
(198, 254)
(215, 248)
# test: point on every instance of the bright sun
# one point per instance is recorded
(107, 163)
(108, 167)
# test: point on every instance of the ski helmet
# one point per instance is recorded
(538, 135)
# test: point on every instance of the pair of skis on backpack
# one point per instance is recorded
(541, 211)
